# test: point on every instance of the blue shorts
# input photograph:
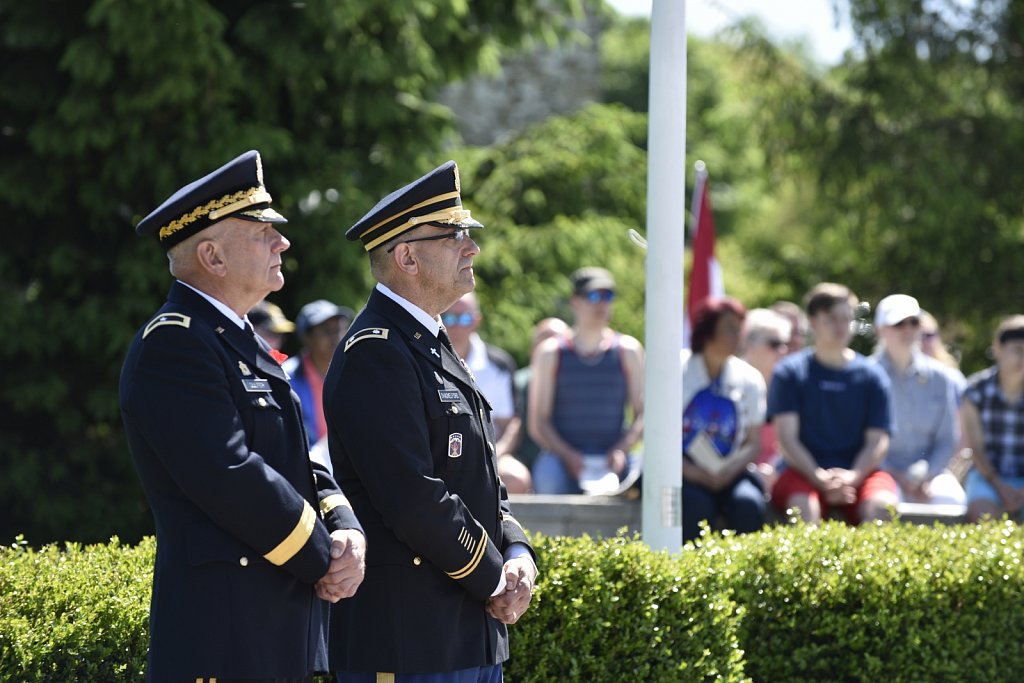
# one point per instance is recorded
(979, 488)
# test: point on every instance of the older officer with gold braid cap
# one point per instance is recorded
(248, 533)
(412, 445)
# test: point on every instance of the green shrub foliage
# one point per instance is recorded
(75, 613)
(890, 602)
(613, 610)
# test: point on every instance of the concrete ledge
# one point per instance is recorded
(575, 515)
(919, 513)
(604, 516)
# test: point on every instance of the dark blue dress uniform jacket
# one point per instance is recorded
(412, 445)
(219, 445)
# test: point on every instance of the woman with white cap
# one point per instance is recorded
(925, 404)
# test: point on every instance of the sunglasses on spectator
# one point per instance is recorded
(457, 319)
(599, 296)
(458, 235)
(929, 335)
(912, 322)
(776, 344)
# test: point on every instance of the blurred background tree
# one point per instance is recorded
(894, 170)
(898, 168)
(107, 106)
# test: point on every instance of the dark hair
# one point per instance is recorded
(705, 318)
(824, 295)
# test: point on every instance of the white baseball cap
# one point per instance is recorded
(896, 308)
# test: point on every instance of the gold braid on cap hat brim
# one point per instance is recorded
(453, 215)
(218, 208)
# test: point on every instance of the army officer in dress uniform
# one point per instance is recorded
(412, 443)
(245, 543)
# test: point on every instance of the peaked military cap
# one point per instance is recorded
(434, 198)
(234, 190)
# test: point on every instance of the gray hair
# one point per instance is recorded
(761, 322)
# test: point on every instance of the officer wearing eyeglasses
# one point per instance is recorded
(413, 446)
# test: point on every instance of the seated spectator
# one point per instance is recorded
(320, 326)
(765, 342)
(493, 369)
(269, 322)
(993, 417)
(799, 326)
(933, 346)
(925, 407)
(581, 385)
(526, 449)
(724, 406)
(832, 416)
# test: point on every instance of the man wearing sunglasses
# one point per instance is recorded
(581, 385)
(413, 446)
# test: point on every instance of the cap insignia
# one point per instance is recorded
(217, 208)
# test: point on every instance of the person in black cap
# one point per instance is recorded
(320, 325)
(412, 442)
(245, 543)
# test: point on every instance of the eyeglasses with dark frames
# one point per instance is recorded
(457, 235)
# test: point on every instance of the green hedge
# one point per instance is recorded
(75, 614)
(890, 602)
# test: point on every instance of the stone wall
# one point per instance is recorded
(530, 87)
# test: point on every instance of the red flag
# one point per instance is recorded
(705, 273)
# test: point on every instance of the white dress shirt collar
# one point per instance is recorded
(220, 306)
(422, 317)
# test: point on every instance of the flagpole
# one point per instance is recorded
(666, 219)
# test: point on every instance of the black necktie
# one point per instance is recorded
(442, 336)
(248, 328)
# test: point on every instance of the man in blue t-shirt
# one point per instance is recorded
(832, 415)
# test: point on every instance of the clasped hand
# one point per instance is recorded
(840, 486)
(520, 576)
(347, 567)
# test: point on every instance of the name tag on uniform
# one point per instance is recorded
(449, 396)
(256, 385)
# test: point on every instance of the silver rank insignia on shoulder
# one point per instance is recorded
(178, 319)
(368, 333)
(434, 351)
(244, 368)
(454, 445)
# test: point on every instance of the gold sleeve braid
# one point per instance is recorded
(294, 541)
(474, 561)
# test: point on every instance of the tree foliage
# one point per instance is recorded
(107, 106)
(906, 153)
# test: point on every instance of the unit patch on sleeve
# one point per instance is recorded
(454, 445)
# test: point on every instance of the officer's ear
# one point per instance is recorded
(405, 260)
(210, 257)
